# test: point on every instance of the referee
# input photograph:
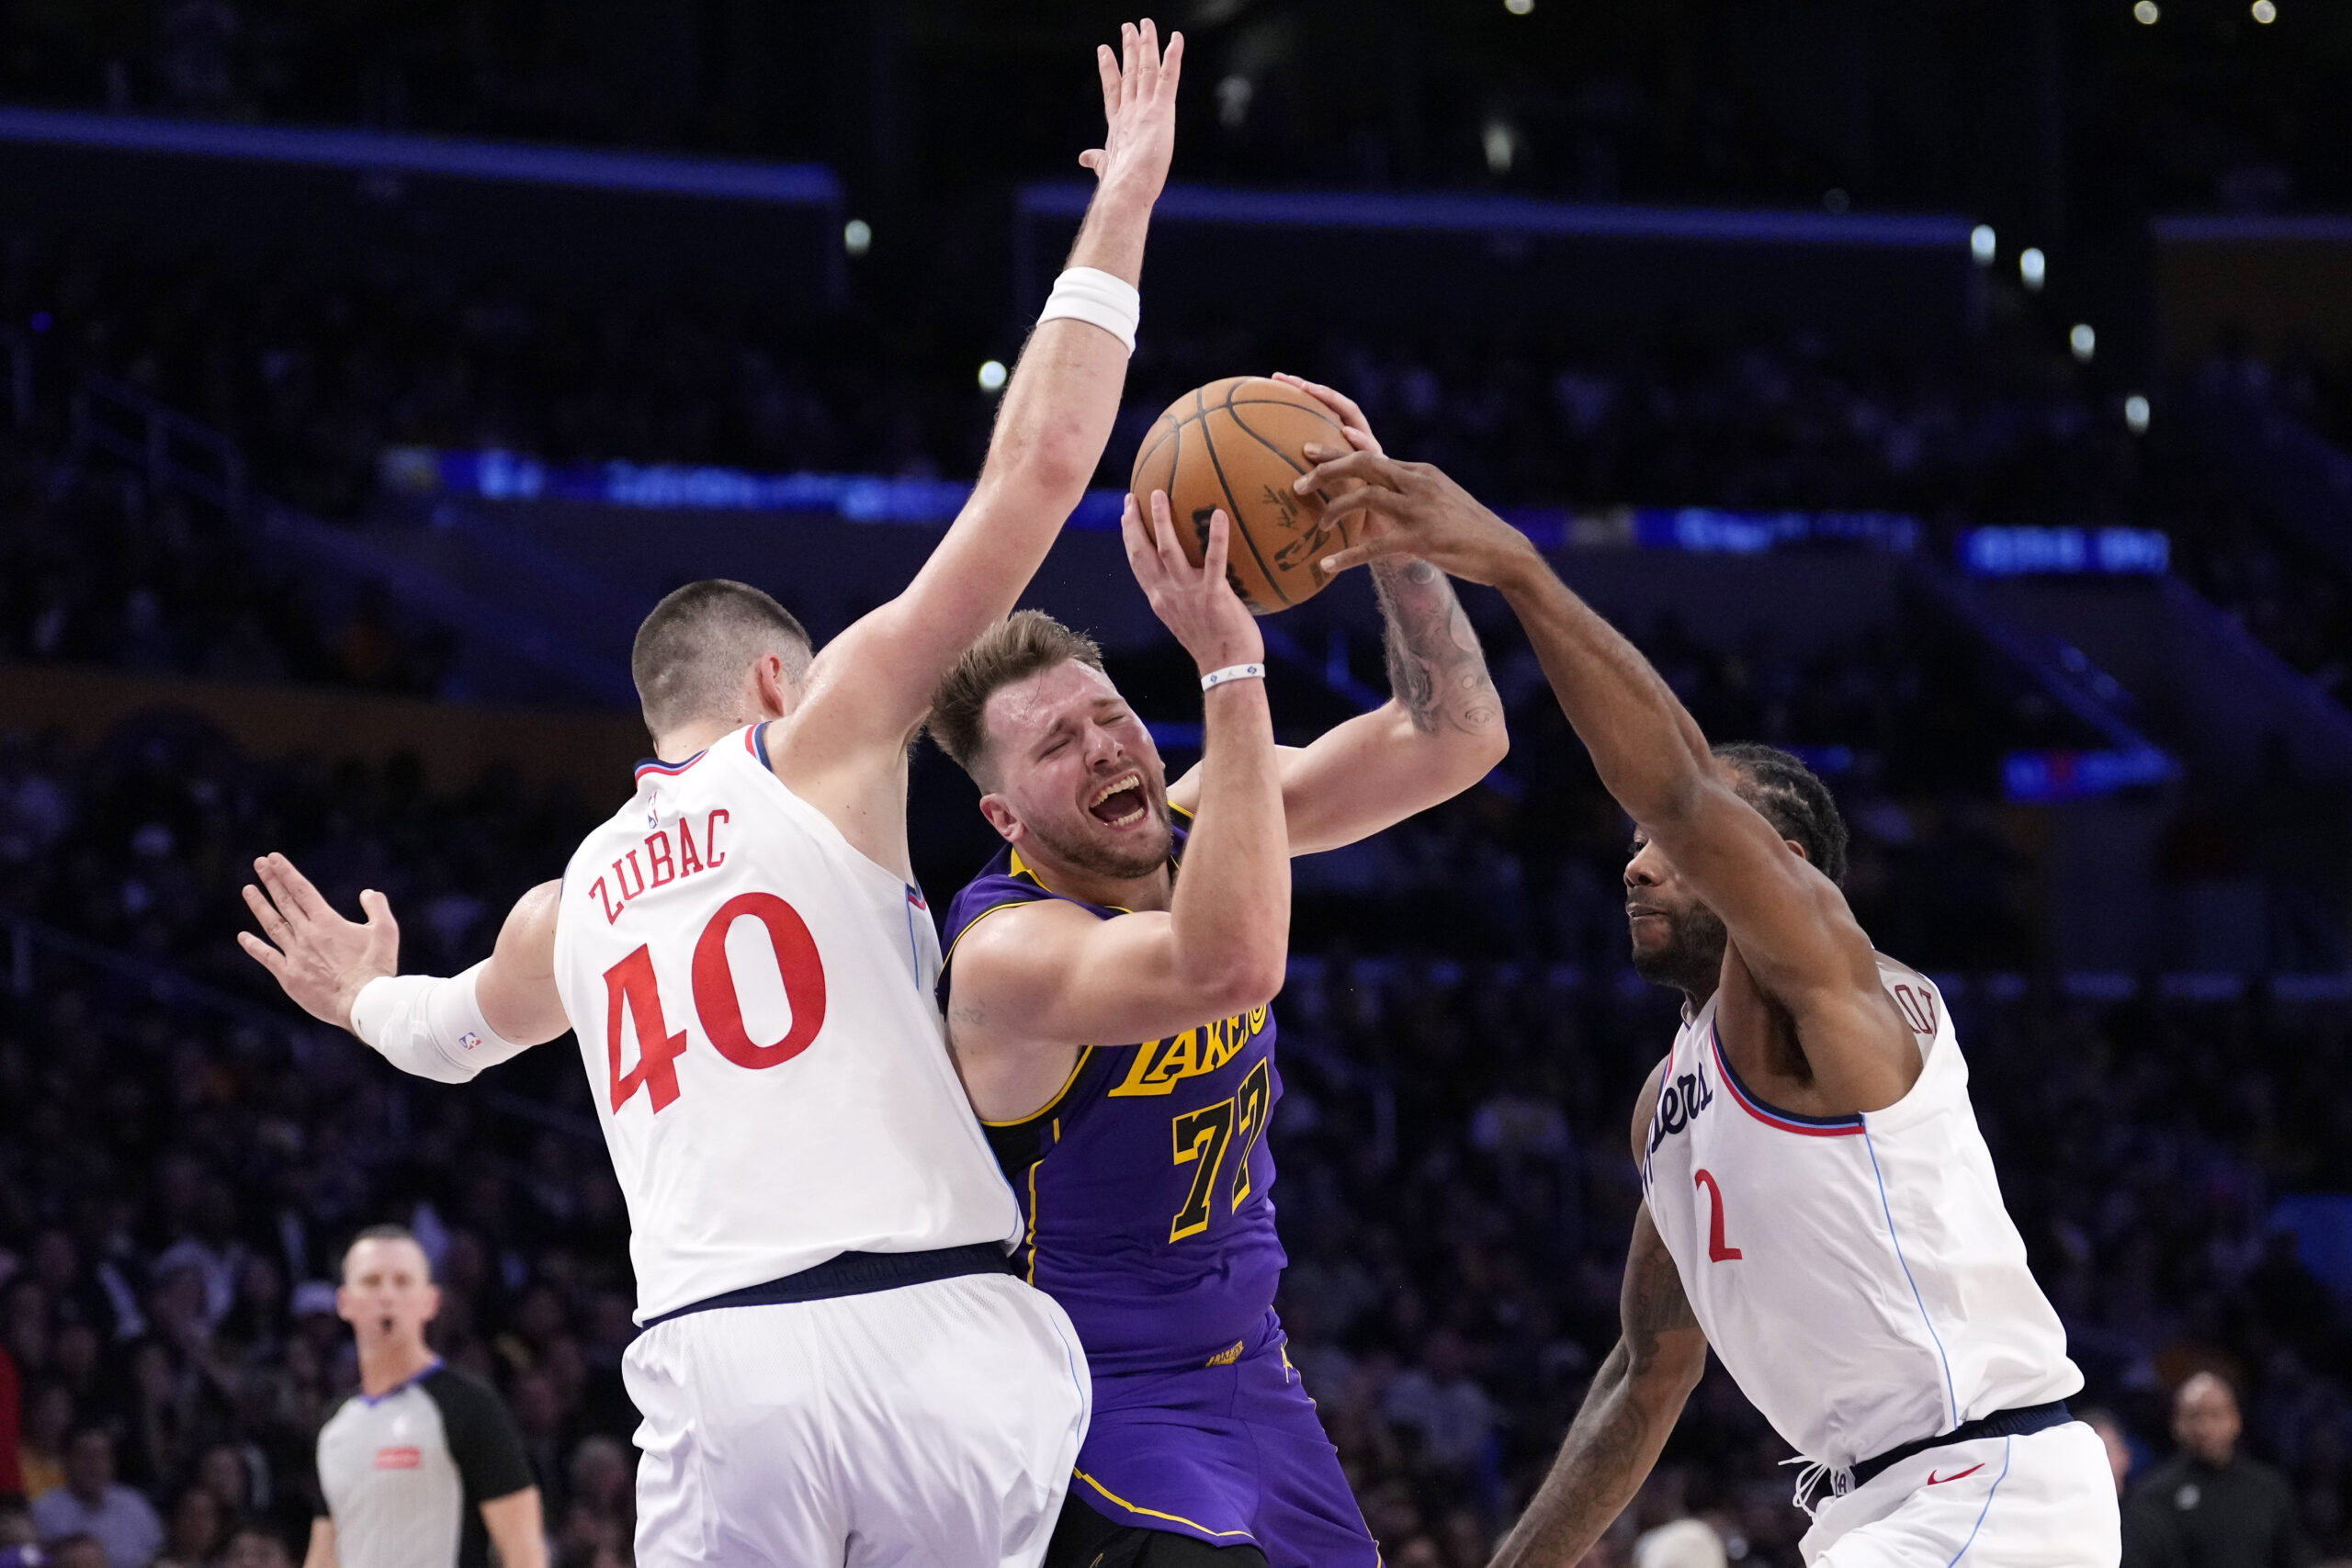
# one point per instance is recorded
(422, 1467)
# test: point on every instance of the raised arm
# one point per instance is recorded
(1440, 732)
(1034, 981)
(1792, 926)
(868, 691)
(447, 1028)
(1635, 1399)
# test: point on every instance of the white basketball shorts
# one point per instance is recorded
(931, 1426)
(2045, 1500)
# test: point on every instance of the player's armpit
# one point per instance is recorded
(322, 1548)
(517, 991)
(1798, 939)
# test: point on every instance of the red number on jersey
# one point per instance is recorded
(721, 1010)
(631, 984)
(1716, 1251)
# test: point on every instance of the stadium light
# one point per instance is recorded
(992, 376)
(1502, 143)
(1233, 95)
(2265, 12)
(857, 236)
(2033, 267)
(2135, 414)
(2082, 340)
(2146, 13)
(1982, 242)
(1518, 7)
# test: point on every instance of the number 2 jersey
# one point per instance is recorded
(1858, 1275)
(752, 999)
(1144, 1183)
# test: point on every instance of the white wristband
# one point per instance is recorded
(1233, 673)
(1088, 294)
(430, 1026)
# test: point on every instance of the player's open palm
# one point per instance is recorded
(1139, 109)
(1413, 509)
(321, 959)
(1195, 603)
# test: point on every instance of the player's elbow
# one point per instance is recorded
(1664, 1375)
(1242, 981)
(1054, 460)
(1482, 746)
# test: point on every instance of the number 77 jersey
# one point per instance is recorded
(752, 999)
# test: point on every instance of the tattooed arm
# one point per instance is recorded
(1631, 1407)
(1440, 732)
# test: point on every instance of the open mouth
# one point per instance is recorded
(1120, 802)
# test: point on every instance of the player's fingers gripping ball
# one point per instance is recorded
(1237, 445)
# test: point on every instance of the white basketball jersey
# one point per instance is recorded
(753, 1002)
(1858, 1276)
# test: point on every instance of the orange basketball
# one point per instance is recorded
(1238, 444)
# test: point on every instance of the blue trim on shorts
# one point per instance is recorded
(2006, 1443)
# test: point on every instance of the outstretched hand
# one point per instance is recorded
(1413, 509)
(1138, 108)
(1196, 603)
(321, 959)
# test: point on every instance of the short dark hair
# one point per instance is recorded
(382, 1233)
(1016, 647)
(691, 652)
(1792, 798)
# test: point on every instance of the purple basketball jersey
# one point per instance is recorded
(1143, 1185)
(1145, 1196)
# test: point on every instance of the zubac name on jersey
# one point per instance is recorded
(1143, 1184)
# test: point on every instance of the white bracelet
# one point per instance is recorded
(1233, 673)
(1089, 294)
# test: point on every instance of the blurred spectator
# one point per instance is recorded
(78, 1551)
(49, 1423)
(2211, 1506)
(254, 1547)
(2118, 1446)
(92, 1504)
(196, 1534)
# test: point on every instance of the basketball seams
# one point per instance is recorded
(1232, 507)
(1346, 539)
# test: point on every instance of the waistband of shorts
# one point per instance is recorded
(2018, 1423)
(857, 1274)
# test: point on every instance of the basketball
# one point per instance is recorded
(1238, 444)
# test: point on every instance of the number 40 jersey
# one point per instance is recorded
(1858, 1275)
(752, 999)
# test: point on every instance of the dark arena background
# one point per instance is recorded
(1958, 394)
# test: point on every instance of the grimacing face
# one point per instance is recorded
(387, 1290)
(1075, 774)
(1678, 941)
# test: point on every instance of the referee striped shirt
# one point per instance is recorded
(406, 1472)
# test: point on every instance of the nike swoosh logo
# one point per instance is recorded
(1935, 1479)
